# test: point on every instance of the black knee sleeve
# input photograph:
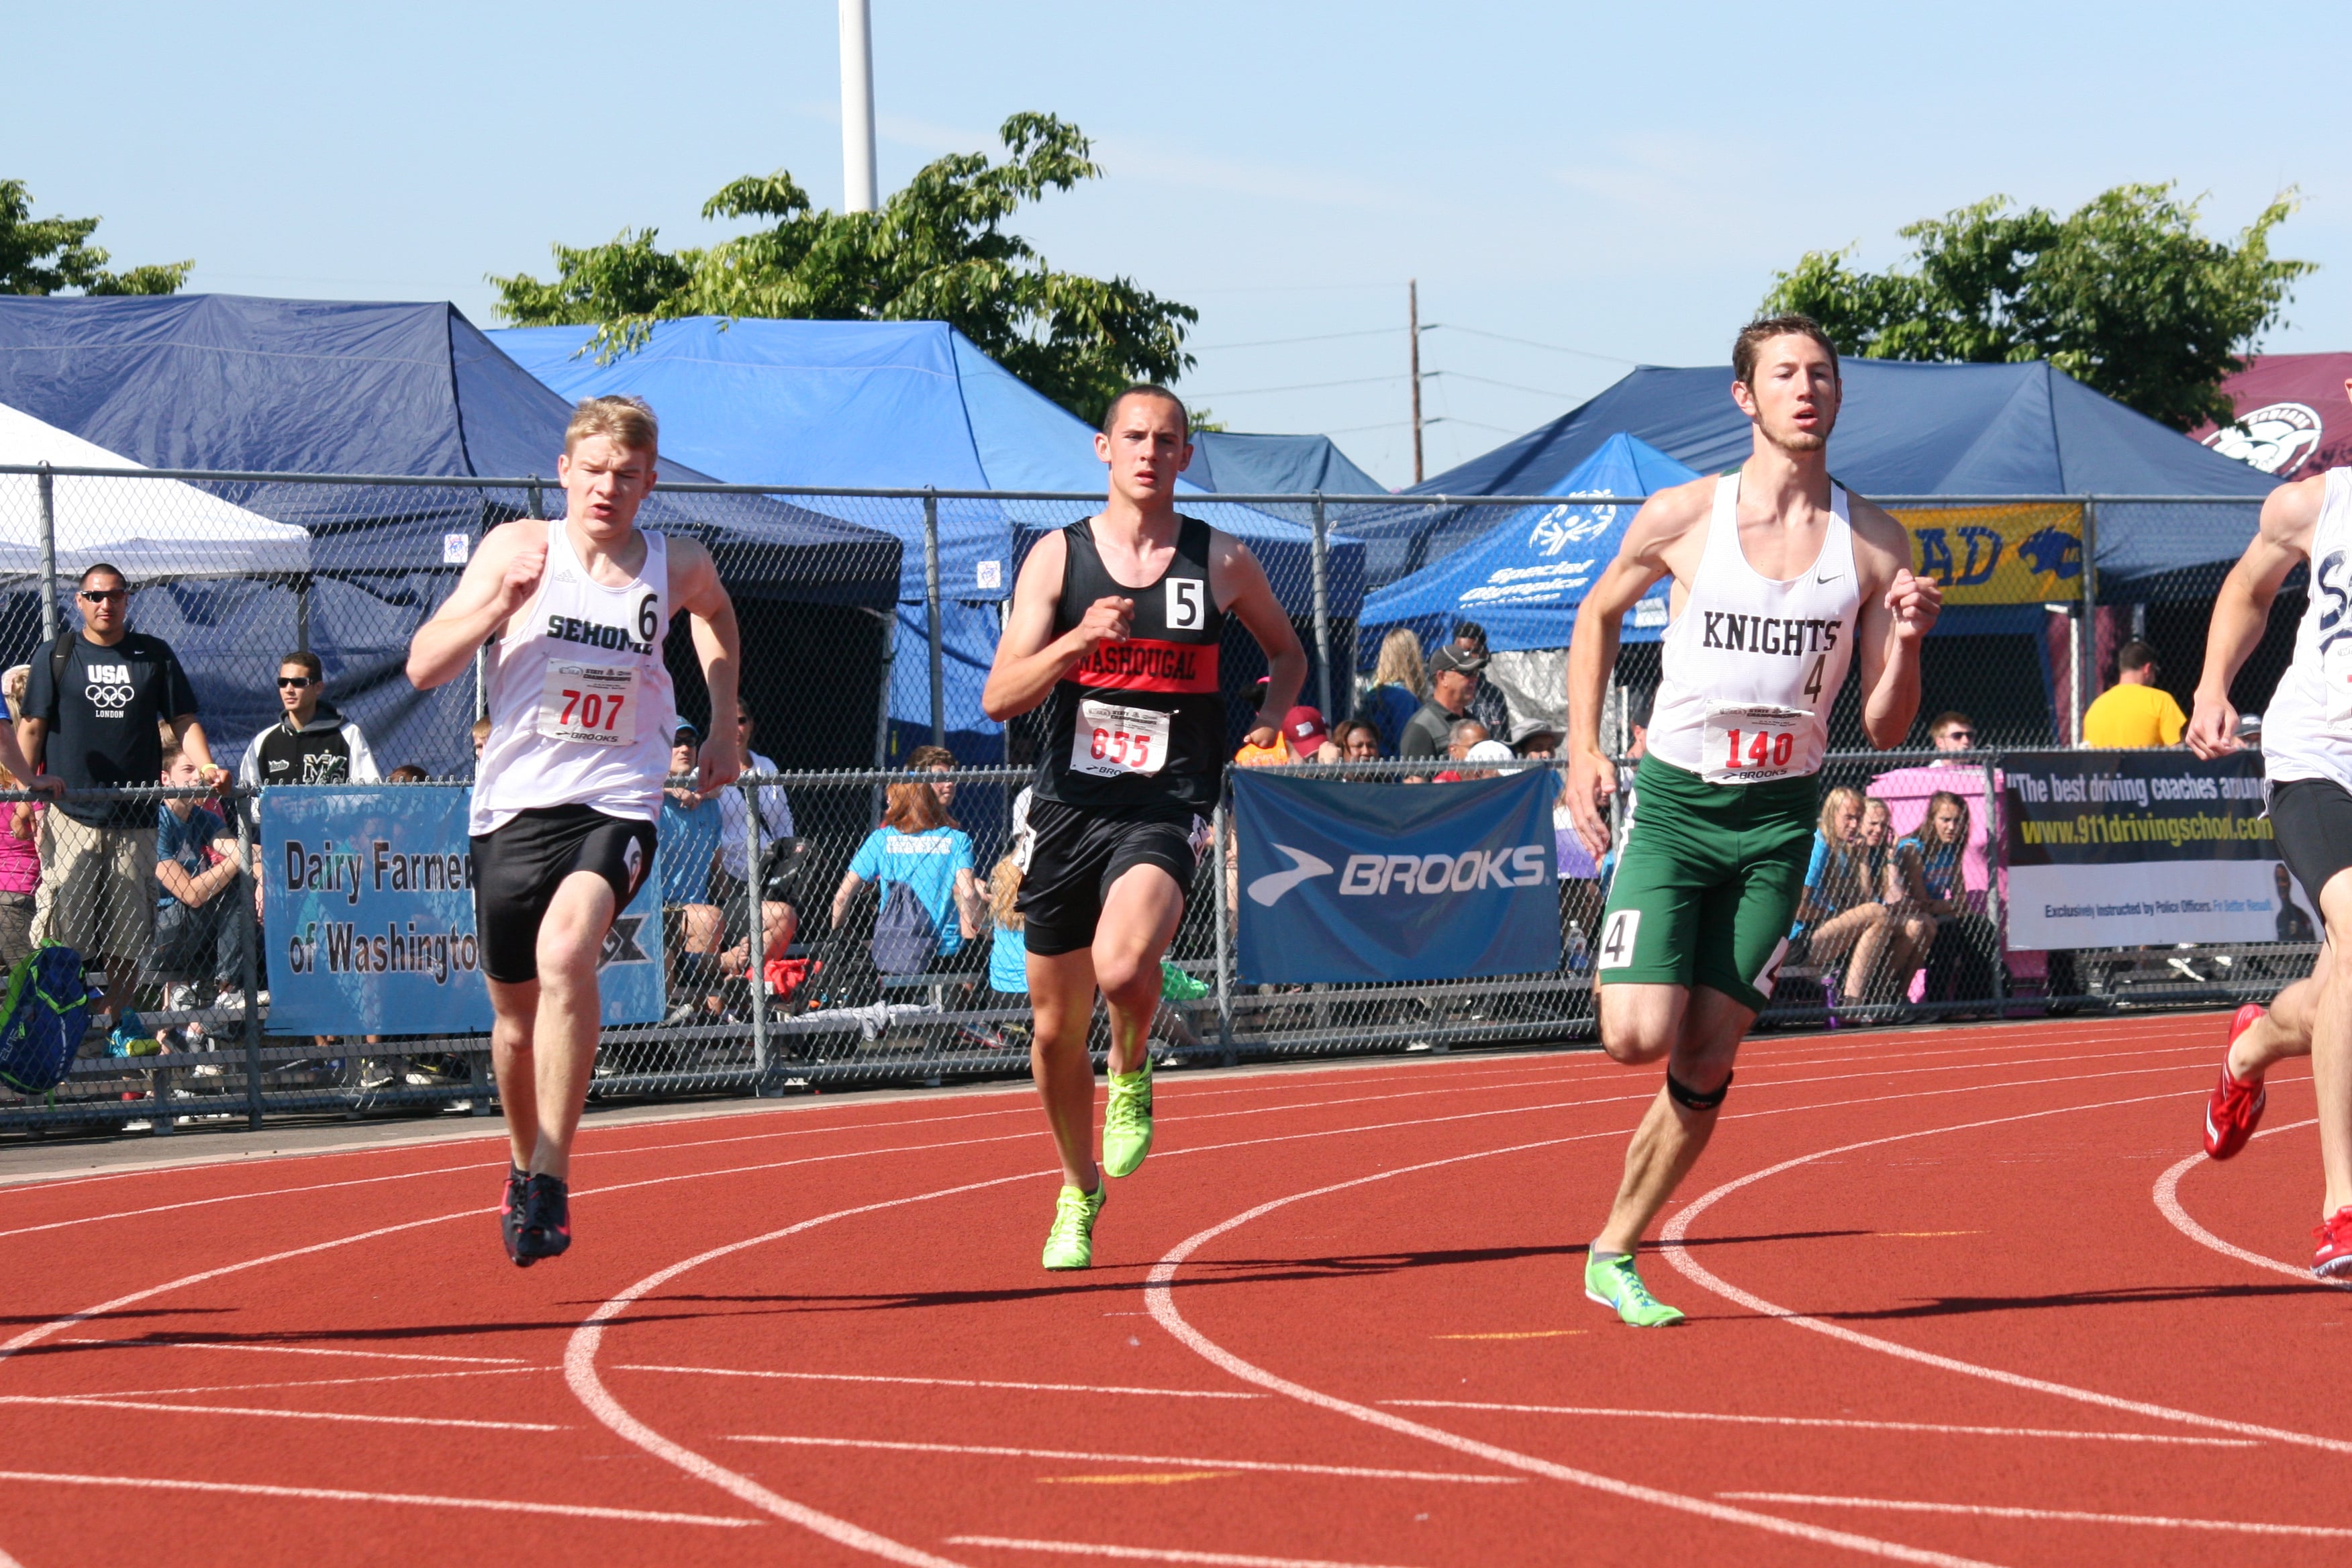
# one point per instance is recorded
(1690, 1098)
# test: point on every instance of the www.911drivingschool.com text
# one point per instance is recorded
(396, 950)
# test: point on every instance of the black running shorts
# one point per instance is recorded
(2311, 822)
(517, 868)
(1080, 853)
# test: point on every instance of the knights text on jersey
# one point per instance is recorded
(1138, 723)
(1751, 666)
(580, 706)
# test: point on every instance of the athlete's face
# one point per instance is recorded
(1146, 448)
(605, 483)
(1794, 396)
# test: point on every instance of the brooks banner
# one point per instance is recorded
(1347, 881)
(2121, 849)
(368, 916)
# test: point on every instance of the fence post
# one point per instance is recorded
(250, 916)
(1224, 944)
(882, 705)
(47, 484)
(1996, 856)
(2087, 673)
(755, 944)
(1321, 559)
(931, 610)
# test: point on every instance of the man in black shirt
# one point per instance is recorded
(92, 708)
(312, 743)
(1453, 684)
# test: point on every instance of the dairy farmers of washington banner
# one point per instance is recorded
(2123, 848)
(1348, 881)
(368, 916)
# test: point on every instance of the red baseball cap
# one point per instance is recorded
(1305, 729)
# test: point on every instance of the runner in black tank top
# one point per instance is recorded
(1114, 626)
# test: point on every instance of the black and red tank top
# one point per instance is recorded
(1138, 723)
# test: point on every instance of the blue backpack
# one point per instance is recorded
(43, 1018)
(905, 939)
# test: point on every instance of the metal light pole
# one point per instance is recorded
(857, 187)
(1413, 325)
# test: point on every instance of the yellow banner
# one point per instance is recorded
(1999, 554)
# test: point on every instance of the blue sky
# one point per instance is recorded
(1622, 182)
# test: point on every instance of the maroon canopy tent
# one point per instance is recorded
(2294, 418)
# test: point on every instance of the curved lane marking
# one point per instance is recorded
(2063, 1515)
(341, 1494)
(1671, 1243)
(1858, 1425)
(992, 1450)
(2167, 1202)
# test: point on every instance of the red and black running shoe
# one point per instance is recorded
(2335, 1238)
(2234, 1110)
(511, 1214)
(546, 1228)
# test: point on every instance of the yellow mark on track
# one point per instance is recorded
(1147, 1478)
(1521, 1334)
(1930, 1232)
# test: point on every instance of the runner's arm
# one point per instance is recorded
(1898, 609)
(498, 581)
(1641, 561)
(1253, 600)
(695, 587)
(2242, 611)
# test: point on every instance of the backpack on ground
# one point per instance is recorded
(905, 938)
(43, 1016)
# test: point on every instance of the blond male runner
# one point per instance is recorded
(569, 784)
(2308, 762)
(1114, 626)
(1781, 579)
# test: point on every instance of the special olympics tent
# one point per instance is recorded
(2294, 419)
(222, 382)
(897, 404)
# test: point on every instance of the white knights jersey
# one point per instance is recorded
(2307, 733)
(1750, 665)
(581, 708)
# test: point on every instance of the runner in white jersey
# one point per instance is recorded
(569, 785)
(2308, 759)
(1780, 580)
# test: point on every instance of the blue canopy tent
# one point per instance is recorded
(898, 404)
(1276, 466)
(226, 384)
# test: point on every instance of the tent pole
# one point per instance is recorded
(2086, 675)
(1323, 607)
(48, 487)
(882, 704)
(931, 609)
(1412, 332)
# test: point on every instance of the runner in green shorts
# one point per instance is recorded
(1781, 580)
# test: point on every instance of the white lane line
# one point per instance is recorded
(101, 1402)
(340, 1494)
(309, 1383)
(2167, 1202)
(1671, 1243)
(1150, 1553)
(2063, 1515)
(1832, 1421)
(238, 1198)
(303, 1350)
(1161, 1299)
(1358, 1472)
(947, 1382)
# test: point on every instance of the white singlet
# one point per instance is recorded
(2307, 733)
(1750, 665)
(581, 707)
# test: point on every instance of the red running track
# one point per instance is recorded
(1955, 1296)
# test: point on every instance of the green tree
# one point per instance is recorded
(42, 256)
(2124, 294)
(938, 251)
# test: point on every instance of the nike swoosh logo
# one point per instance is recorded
(1830, 579)
(1272, 886)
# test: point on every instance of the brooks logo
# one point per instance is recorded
(1265, 889)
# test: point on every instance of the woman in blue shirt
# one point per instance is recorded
(1840, 915)
(919, 844)
(1927, 863)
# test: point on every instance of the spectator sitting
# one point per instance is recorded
(1400, 683)
(691, 924)
(919, 846)
(1952, 731)
(1536, 737)
(311, 744)
(778, 920)
(1359, 741)
(1959, 964)
(198, 935)
(20, 858)
(1452, 682)
(1463, 735)
(93, 706)
(2135, 711)
(1008, 952)
(1840, 915)
(2294, 925)
(408, 773)
(1487, 752)
(1487, 704)
(1309, 741)
(1915, 931)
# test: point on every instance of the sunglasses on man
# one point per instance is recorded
(296, 681)
(101, 595)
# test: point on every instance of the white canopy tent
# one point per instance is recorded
(150, 528)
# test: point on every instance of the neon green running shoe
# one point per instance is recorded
(1071, 1243)
(1177, 986)
(1614, 1285)
(1127, 1120)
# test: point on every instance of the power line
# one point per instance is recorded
(1302, 386)
(1528, 343)
(1317, 338)
(1457, 419)
(1490, 381)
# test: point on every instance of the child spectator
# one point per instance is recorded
(198, 936)
(20, 855)
(919, 848)
(407, 773)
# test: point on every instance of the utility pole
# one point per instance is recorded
(857, 186)
(1413, 326)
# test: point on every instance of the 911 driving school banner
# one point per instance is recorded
(2120, 849)
(1348, 881)
(368, 916)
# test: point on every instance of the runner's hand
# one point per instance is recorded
(522, 581)
(1591, 780)
(2213, 727)
(1916, 601)
(722, 762)
(1106, 620)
